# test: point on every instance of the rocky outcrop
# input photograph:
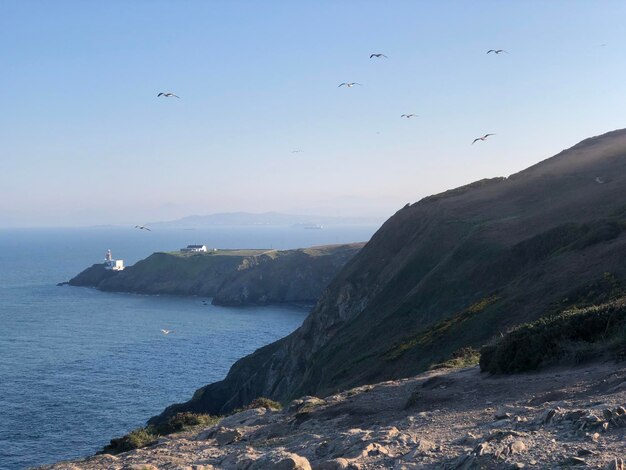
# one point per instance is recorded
(230, 277)
(458, 419)
(447, 272)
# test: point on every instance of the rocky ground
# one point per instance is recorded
(458, 419)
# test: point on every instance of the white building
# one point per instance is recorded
(194, 249)
(113, 264)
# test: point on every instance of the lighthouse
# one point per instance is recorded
(113, 264)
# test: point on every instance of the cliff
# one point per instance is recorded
(450, 271)
(230, 277)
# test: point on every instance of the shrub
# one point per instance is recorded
(266, 403)
(182, 421)
(573, 336)
(464, 357)
(144, 437)
(136, 439)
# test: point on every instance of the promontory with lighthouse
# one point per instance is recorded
(227, 276)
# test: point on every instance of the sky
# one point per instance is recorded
(84, 139)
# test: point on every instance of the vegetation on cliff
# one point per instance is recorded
(571, 337)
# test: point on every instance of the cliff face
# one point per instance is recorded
(450, 271)
(231, 277)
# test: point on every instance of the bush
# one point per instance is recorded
(144, 437)
(464, 357)
(136, 439)
(182, 421)
(571, 337)
(266, 403)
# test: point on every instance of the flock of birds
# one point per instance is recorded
(377, 55)
(343, 84)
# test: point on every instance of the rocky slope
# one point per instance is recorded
(458, 419)
(450, 271)
(230, 277)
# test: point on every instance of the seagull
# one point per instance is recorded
(349, 85)
(409, 116)
(167, 332)
(483, 138)
(143, 227)
(600, 180)
(378, 56)
(497, 51)
(168, 95)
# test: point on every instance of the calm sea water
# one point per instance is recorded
(78, 366)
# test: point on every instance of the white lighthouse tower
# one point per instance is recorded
(113, 264)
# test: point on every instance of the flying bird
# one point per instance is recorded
(168, 95)
(349, 85)
(600, 180)
(143, 227)
(167, 332)
(482, 139)
(409, 116)
(497, 51)
(378, 56)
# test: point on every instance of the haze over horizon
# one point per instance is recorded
(86, 141)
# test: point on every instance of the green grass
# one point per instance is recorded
(432, 334)
(571, 337)
(236, 252)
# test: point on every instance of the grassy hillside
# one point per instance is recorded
(451, 271)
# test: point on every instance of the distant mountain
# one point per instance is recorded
(451, 271)
(264, 218)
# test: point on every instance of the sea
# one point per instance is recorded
(79, 367)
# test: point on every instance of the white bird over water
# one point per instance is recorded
(167, 332)
(378, 56)
(482, 139)
(497, 51)
(142, 227)
(349, 85)
(168, 95)
(409, 116)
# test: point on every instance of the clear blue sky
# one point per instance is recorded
(84, 139)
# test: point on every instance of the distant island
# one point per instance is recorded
(264, 218)
(229, 277)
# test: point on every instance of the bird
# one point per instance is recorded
(409, 116)
(349, 85)
(142, 227)
(483, 138)
(168, 95)
(167, 332)
(378, 56)
(497, 51)
(600, 180)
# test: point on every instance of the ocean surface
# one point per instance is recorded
(78, 366)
